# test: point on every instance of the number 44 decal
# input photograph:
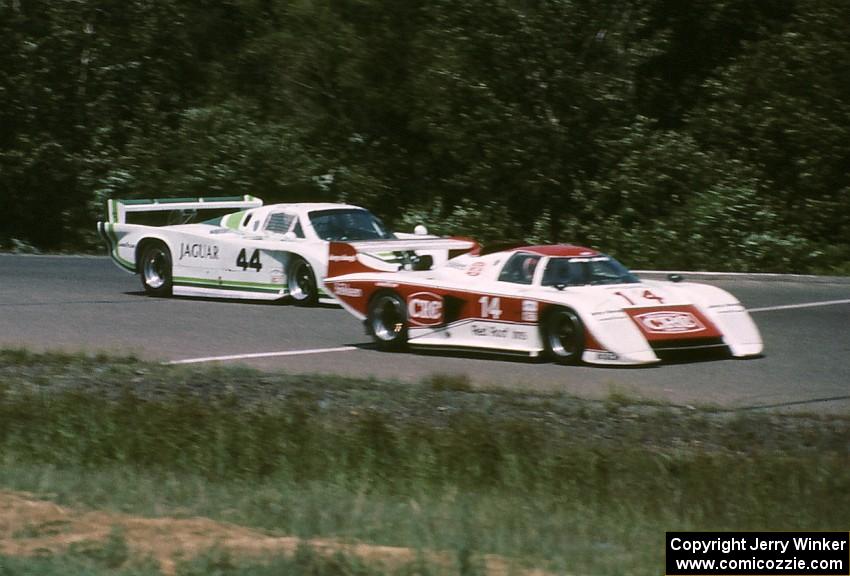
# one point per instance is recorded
(254, 262)
(647, 295)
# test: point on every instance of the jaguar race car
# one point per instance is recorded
(566, 302)
(255, 251)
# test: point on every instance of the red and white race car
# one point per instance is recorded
(567, 302)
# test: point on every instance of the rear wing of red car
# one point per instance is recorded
(351, 258)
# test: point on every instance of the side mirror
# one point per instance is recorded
(289, 236)
(675, 277)
(420, 230)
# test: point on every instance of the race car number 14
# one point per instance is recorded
(490, 307)
(647, 295)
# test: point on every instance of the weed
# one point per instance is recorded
(452, 382)
(111, 553)
(35, 530)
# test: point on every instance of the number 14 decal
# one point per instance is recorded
(490, 307)
(647, 295)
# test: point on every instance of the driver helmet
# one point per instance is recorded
(528, 267)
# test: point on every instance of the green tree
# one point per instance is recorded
(42, 87)
(518, 100)
(783, 107)
(702, 37)
(216, 150)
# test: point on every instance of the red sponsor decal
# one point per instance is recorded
(342, 259)
(669, 322)
(425, 309)
(672, 323)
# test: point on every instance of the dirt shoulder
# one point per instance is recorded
(30, 526)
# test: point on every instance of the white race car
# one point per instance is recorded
(567, 302)
(256, 252)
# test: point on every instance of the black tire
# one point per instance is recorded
(563, 336)
(386, 320)
(155, 269)
(301, 283)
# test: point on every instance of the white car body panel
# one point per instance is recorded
(237, 256)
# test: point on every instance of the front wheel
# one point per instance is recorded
(387, 321)
(301, 283)
(563, 336)
(155, 270)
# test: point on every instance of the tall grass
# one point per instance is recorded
(592, 489)
(91, 560)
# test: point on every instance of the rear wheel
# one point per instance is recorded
(155, 269)
(387, 321)
(301, 283)
(563, 336)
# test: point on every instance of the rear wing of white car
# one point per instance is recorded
(117, 210)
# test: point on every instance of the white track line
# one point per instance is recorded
(262, 355)
(793, 306)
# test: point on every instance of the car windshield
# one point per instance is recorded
(348, 224)
(583, 271)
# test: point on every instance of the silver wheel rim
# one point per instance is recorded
(387, 318)
(300, 281)
(155, 268)
(562, 335)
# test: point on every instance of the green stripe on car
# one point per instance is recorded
(113, 241)
(113, 210)
(232, 221)
(227, 284)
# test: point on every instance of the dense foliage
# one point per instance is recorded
(706, 134)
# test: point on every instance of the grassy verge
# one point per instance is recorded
(111, 560)
(553, 481)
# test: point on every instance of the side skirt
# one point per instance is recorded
(182, 289)
(475, 349)
(514, 338)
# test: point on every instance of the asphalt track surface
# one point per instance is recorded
(86, 304)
